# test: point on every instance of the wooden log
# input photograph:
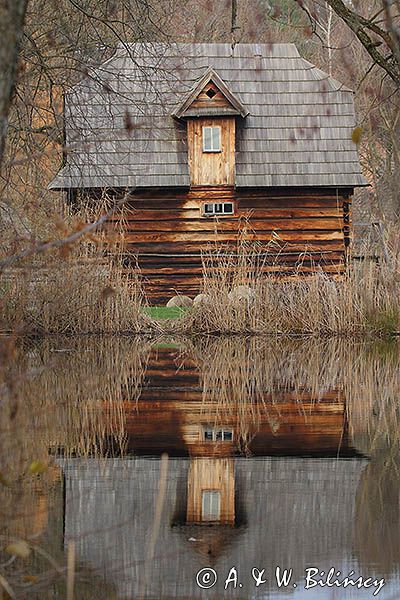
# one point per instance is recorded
(296, 236)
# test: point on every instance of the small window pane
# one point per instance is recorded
(208, 434)
(228, 208)
(211, 139)
(218, 208)
(209, 209)
(227, 436)
(207, 139)
(216, 143)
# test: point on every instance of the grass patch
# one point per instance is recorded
(165, 312)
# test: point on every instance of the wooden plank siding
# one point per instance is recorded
(203, 101)
(211, 168)
(164, 229)
(216, 474)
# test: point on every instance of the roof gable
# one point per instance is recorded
(194, 105)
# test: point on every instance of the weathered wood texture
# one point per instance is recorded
(204, 101)
(174, 406)
(211, 168)
(293, 230)
(215, 474)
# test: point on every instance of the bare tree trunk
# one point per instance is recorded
(363, 28)
(234, 26)
(12, 17)
(329, 35)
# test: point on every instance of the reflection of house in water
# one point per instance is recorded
(175, 415)
(211, 491)
(219, 508)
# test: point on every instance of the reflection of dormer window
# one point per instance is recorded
(212, 434)
(212, 139)
(210, 505)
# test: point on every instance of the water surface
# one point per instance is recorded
(161, 458)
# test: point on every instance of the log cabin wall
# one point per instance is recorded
(165, 229)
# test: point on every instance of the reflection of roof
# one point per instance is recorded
(288, 502)
(121, 132)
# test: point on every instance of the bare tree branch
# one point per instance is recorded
(362, 28)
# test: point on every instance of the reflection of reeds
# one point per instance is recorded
(243, 378)
(62, 395)
(70, 395)
(372, 388)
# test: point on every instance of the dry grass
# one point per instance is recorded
(365, 300)
(74, 296)
(77, 289)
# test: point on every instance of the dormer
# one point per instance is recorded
(211, 110)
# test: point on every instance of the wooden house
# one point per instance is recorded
(208, 140)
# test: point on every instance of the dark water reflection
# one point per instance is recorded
(162, 458)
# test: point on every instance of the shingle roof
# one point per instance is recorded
(120, 131)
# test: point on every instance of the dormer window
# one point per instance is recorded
(212, 139)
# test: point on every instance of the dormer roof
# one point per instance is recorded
(211, 96)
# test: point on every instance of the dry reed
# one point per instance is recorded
(77, 288)
(242, 297)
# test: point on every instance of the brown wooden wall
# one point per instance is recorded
(211, 168)
(167, 232)
(173, 406)
(203, 101)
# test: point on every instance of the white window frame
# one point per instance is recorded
(215, 212)
(210, 505)
(213, 147)
(215, 431)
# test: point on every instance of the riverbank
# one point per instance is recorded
(83, 296)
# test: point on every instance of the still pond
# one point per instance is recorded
(244, 468)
